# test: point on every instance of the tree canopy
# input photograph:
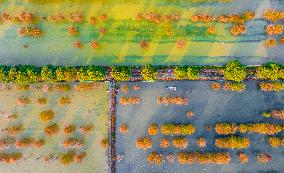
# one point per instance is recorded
(120, 73)
(149, 73)
(270, 71)
(235, 71)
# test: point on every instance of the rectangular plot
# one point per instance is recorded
(205, 109)
(80, 126)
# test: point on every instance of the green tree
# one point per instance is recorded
(12, 74)
(2, 76)
(82, 74)
(180, 73)
(91, 73)
(270, 71)
(59, 73)
(96, 73)
(25, 74)
(70, 74)
(120, 73)
(33, 75)
(149, 73)
(281, 73)
(21, 77)
(46, 74)
(235, 71)
(192, 74)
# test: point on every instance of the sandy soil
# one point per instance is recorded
(86, 107)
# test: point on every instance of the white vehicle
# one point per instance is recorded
(171, 88)
(148, 81)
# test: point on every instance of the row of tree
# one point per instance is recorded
(32, 74)
(260, 128)
(233, 71)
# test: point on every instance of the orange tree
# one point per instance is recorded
(144, 143)
(226, 128)
(153, 129)
(155, 158)
(232, 142)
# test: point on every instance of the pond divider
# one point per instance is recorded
(112, 125)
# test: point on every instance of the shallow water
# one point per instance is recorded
(209, 107)
(120, 45)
